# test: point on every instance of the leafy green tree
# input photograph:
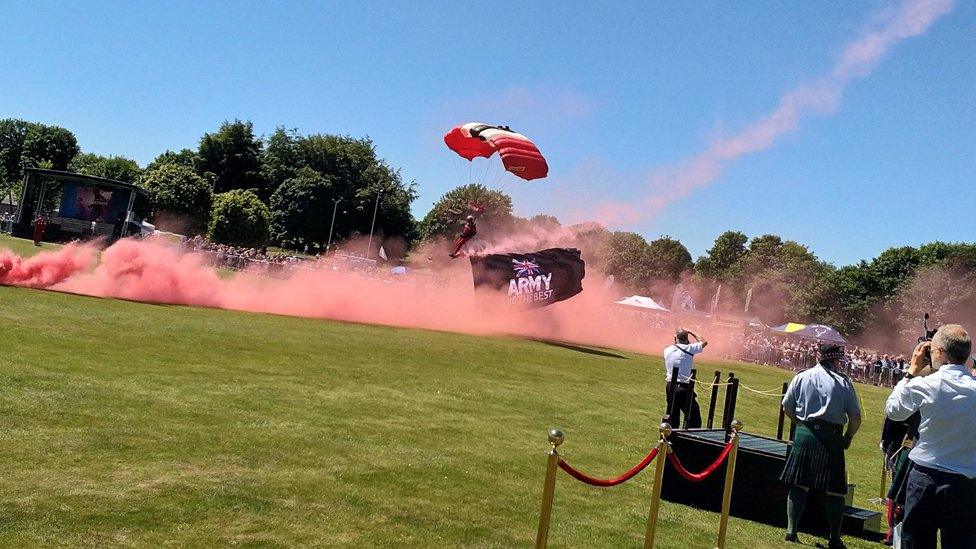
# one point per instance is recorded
(185, 157)
(118, 168)
(668, 259)
(722, 259)
(357, 176)
(180, 197)
(13, 132)
(627, 257)
(239, 218)
(545, 221)
(281, 159)
(49, 146)
(441, 222)
(233, 155)
(302, 208)
(762, 255)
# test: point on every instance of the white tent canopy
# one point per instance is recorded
(641, 302)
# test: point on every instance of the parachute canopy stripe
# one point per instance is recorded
(518, 153)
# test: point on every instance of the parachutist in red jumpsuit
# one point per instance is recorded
(39, 224)
(468, 230)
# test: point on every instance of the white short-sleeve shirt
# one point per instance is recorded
(682, 356)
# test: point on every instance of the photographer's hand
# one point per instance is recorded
(920, 359)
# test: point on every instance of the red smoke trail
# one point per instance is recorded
(153, 272)
(819, 97)
(45, 269)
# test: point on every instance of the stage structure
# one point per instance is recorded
(758, 494)
(80, 206)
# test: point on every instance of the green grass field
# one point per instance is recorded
(130, 424)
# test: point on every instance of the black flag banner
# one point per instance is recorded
(527, 281)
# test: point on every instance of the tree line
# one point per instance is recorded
(236, 187)
(243, 189)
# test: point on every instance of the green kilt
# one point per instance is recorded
(816, 459)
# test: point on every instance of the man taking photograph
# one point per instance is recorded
(941, 486)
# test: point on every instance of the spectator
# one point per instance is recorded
(941, 487)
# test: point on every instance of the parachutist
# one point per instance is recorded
(468, 230)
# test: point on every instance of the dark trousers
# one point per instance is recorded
(939, 502)
(683, 392)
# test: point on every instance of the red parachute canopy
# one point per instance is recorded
(518, 153)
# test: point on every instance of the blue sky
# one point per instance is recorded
(610, 94)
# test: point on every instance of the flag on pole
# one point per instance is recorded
(714, 305)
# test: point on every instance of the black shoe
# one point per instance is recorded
(792, 538)
(836, 544)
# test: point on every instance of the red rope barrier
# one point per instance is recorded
(587, 479)
(698, 477)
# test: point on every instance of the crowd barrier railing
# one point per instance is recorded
(555, 462)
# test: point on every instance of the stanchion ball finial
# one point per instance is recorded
(556, 437)
(736, 425)
(665, 429)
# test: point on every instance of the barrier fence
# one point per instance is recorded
(555, 461)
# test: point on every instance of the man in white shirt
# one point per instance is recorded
(941, 487)
(681, 355)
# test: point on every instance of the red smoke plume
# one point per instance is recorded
(156, 273)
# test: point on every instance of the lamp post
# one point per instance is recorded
(369, 244)
(335, 206)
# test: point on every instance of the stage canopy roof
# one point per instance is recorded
(642, 303)
(820, 332)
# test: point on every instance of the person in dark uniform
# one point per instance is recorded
(820, 401)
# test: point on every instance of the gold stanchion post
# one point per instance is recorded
(556, 438)
(663, 447)
(729, 477)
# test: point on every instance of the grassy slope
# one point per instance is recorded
(135, 424)
(24, 247)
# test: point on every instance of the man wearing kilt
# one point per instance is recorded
(820, 401)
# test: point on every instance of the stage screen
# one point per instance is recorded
(90, 203)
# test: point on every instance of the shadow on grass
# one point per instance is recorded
(579, 348)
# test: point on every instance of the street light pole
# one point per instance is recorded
(369, 245)
(332, 225)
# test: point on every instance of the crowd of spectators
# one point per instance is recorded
(261, 261)
(864, 365)
(240, 258)
(6, 222)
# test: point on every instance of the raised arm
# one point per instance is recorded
(699, 338)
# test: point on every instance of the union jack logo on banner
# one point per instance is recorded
(525, 267)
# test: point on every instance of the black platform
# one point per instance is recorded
(757, 493)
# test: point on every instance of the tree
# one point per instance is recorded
(184, 157)
(118, 168)
(239, 218)
(627, 257)
(302, 208)
(281, 157)
(357, 176)
(722, 259)
(545, 221)
(12, 135)
(233, 155)
(668, 259)
(497, 215)
(48, 146)
(181, 198)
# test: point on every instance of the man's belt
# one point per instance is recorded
(821, 425)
